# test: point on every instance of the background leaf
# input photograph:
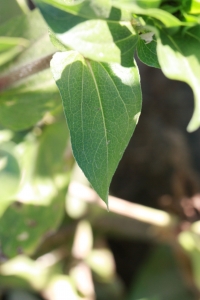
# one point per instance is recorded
(147, 53)
(23, 106)
(29, 98)
(148, 3)
(51, 151)
(179, 57)
(102, 105)
(10, 47)
(100, 40)
(195, 7)
(166, 18)
(22, 227)
(13, 11)
(41, 194)
(32, 28)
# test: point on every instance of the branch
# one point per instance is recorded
(128, 220)
(25, 71)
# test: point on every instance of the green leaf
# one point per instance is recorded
(41, 195)
(102, 104)
(100, 41)
(179, 57)
(51, 151)
(192, 19)
(195, 7)
(166, 18)
(58, 20)
(59, 46)
(9, 9)
(148, 3)
(95, 39)
(147, 53)
(23, 226)
(24, 105)
(34, 30)
(11, 47)
(28, 99)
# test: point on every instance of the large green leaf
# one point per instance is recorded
(102, 104)
(179, 57)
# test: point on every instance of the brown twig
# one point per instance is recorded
(25, 71)
(127, 220)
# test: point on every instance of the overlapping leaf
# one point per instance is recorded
(179, 57)
(100, 40)
(102, 104)
(147, 53)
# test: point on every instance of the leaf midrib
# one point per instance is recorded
(102, 113)
(117, 93)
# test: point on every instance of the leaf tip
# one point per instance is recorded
(194, 123)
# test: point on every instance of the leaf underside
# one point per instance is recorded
(102, 103)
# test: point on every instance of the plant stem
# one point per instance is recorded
(25, 71)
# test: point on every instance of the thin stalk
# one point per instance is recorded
(25, 71)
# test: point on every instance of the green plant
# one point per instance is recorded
(96, 73)
(90, 47)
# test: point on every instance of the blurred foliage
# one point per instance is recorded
(49, 245)
(160, 272)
